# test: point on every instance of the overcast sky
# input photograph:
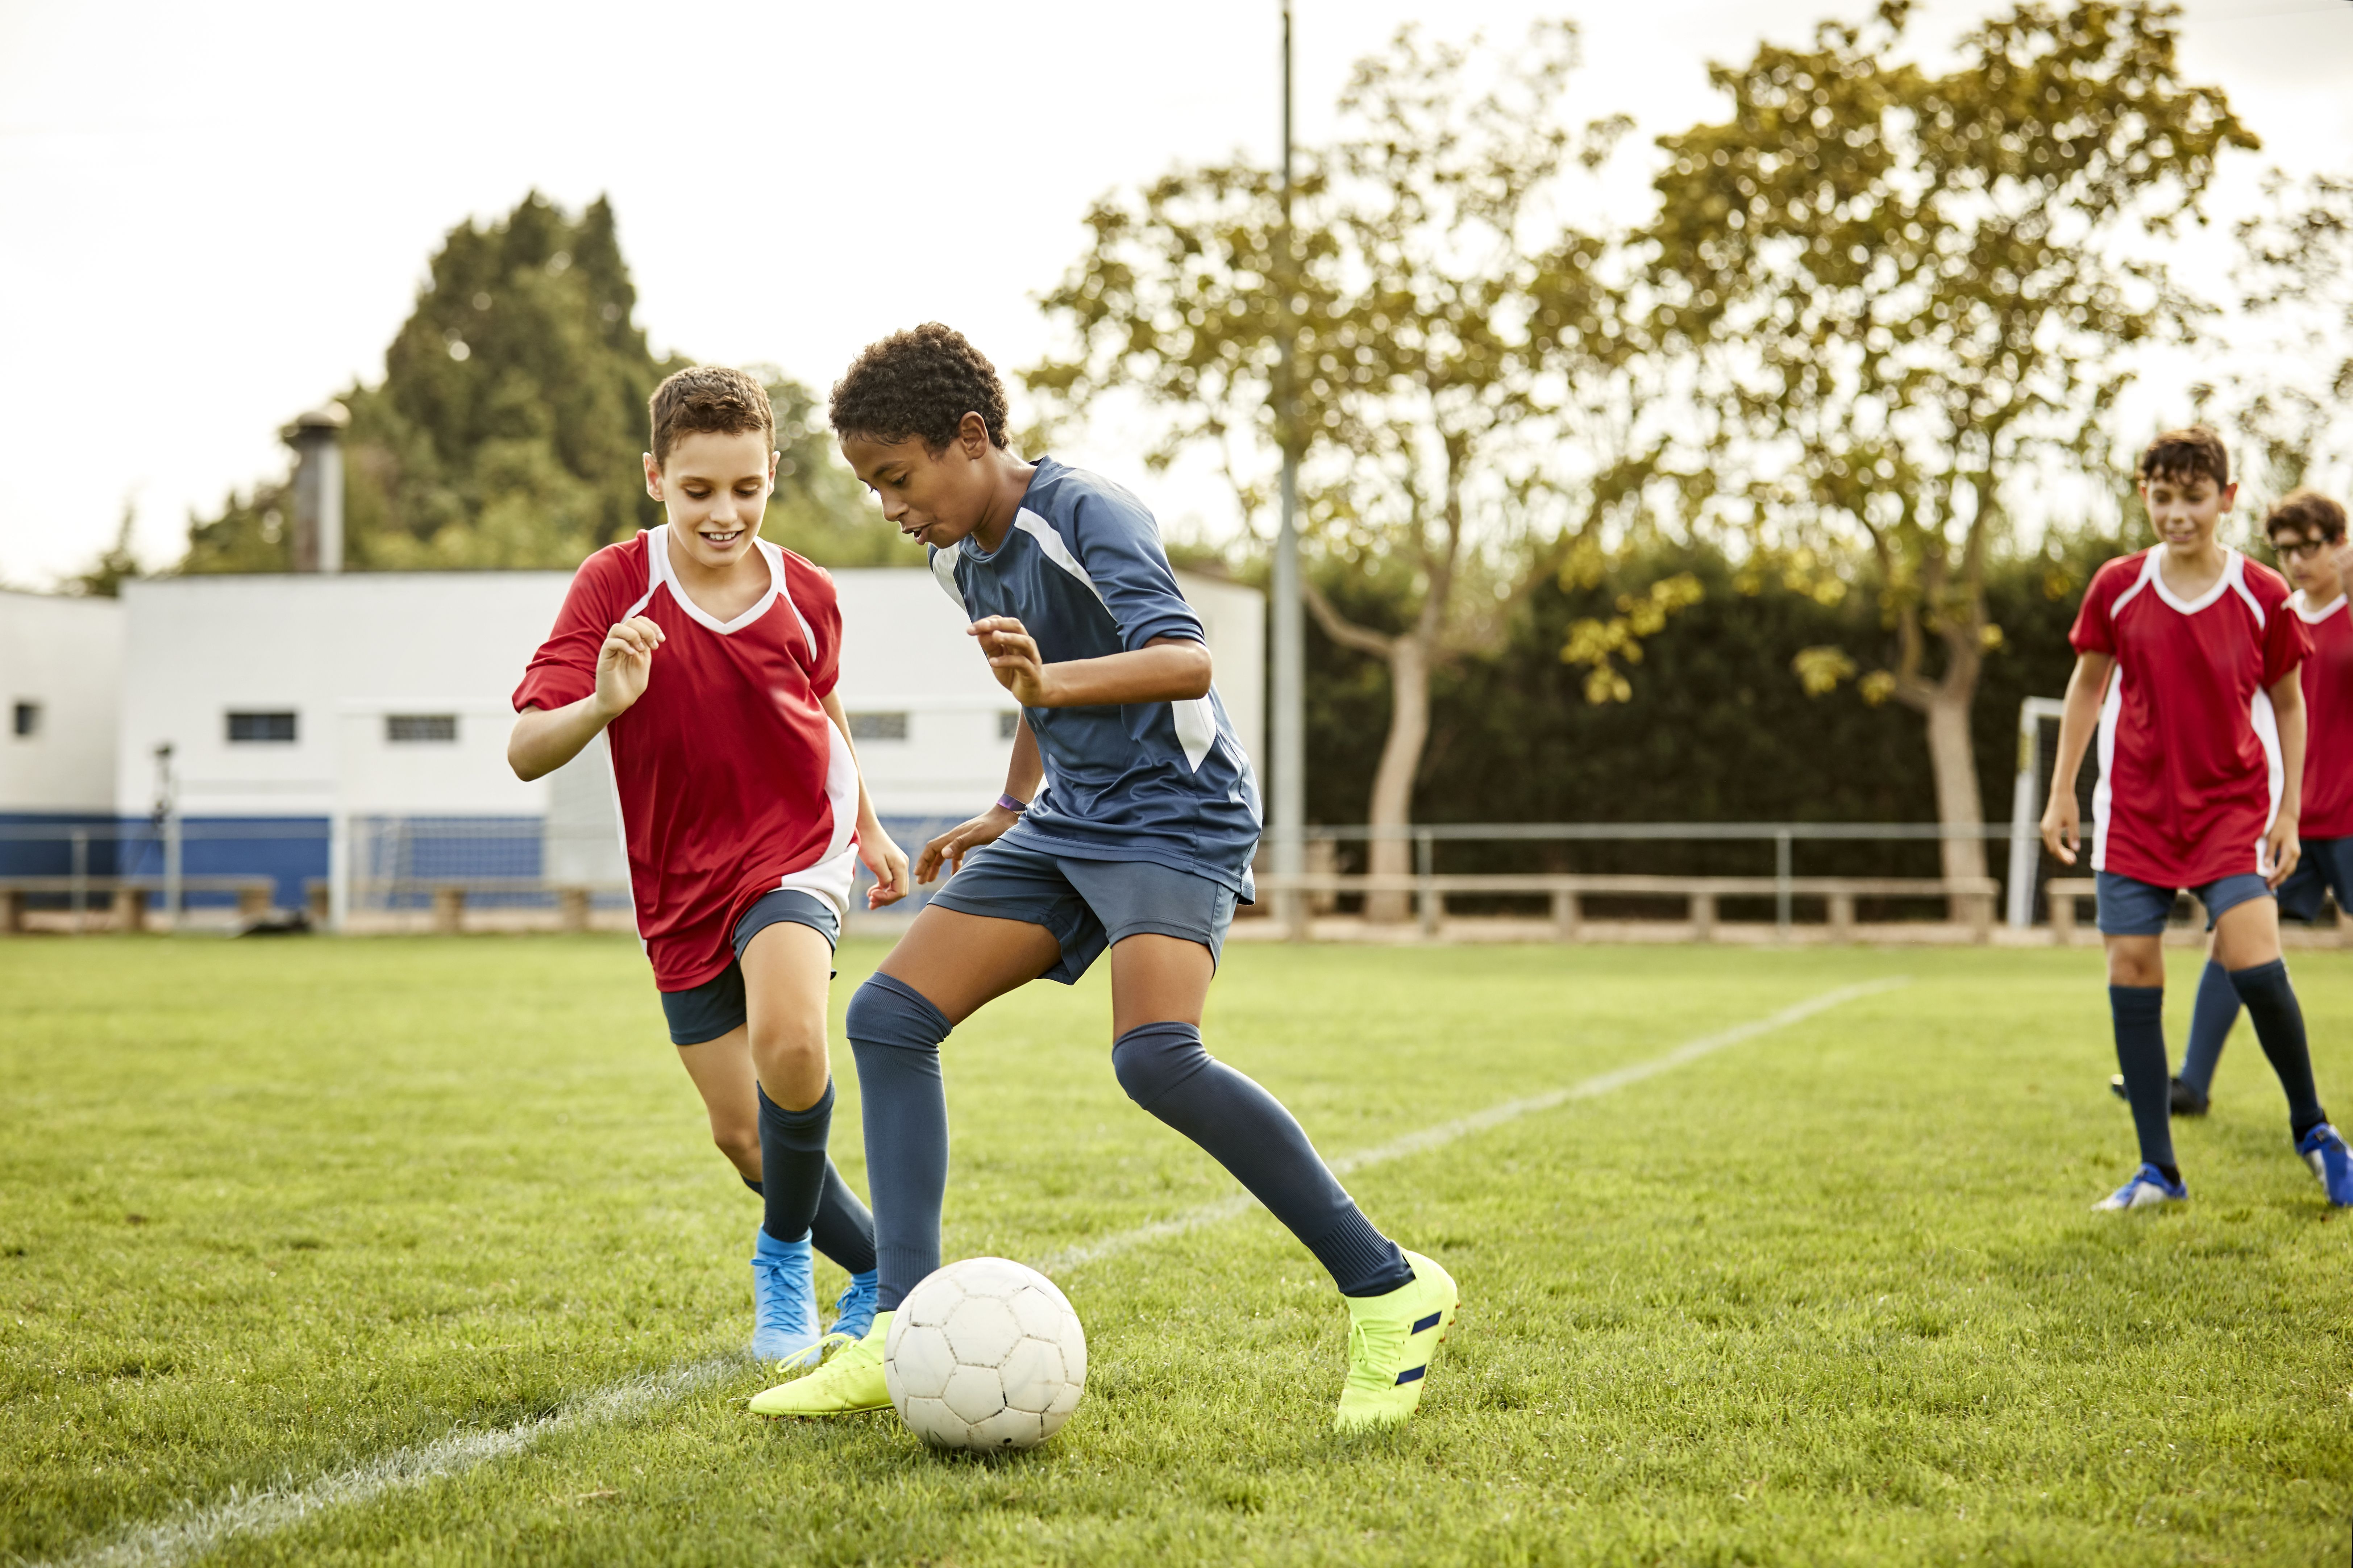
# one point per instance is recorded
(214, 216)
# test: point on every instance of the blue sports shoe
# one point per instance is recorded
(854, 1313)
(2147, 1189)
(2324, 1150)
(783, 1301)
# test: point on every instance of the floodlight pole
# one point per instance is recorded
(1289, 701)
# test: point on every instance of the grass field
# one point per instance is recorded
(272, 1211)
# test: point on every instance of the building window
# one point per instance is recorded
(267, 729)
(27, 720)
(877, 726)
(1008, 724)
(402, 728)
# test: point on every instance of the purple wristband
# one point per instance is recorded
(1006, 803)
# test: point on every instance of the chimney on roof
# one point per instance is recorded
(317, 438)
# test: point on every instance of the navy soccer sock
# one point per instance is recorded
(1165, 1069)
(895, 1035)
(841, 1228)
(2139, 1013)
(2279, 1027)
(2210, 1017)
(792, 1164)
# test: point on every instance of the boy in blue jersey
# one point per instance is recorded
(1127, 825)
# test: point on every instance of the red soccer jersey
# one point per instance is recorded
(731, 780)
(2328, 680)
(2190, 753)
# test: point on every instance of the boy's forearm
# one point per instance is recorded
(1166, 669)
(2077, 719)
(2287, 713)
(545, 739)
(1027, 771)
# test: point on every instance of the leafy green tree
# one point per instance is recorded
(1420, 285)
(1908, 293)
(507, 429)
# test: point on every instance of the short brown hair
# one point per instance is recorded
(708, 399)
(920, 383)
(2186, 454)
(2309, 513)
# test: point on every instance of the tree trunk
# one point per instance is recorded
(1952, 757)
(1392, 808)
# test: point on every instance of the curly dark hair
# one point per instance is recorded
(708, 399)
(2309, 515)
(2180, 455)
(918, 383)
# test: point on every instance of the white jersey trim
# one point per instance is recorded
(659, 567)
(943, 565)
(1039, 529)
(830, 874)
(2102, 798)
(2311, 616)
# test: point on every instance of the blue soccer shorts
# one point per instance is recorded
(717, 1007)
(1089, 905)
(2130, 907)
(2326, 868)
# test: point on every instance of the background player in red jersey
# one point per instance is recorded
(708, 657)
(2201, 735)
(2306, 530)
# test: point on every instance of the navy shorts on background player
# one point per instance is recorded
(2130, 907)
(1088, 905)
(2326, 868)
(717, 1007)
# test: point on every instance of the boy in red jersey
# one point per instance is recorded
(709, 659)
(2202, 762)
(2306, 530)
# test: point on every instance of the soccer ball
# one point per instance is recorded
(984, 1353)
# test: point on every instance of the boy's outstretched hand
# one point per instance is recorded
(958, 842)
(887, 861)
(623, 664)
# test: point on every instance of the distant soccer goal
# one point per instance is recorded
(2038, 753)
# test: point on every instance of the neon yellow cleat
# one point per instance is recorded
(1391, 1340)
(851, 1381)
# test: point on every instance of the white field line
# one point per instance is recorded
(1445, 1132)
(191, 1534)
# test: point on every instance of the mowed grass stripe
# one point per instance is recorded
(200, 1530)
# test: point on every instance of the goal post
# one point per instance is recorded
(2038, 748)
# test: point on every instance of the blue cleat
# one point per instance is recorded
(2147, 1189)
(783, 1302)
(854, 1313)
(2324, 1150)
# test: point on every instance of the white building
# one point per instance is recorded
(60, 678)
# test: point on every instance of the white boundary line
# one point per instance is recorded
(197, 1531)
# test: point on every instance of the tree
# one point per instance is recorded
(1411, 280)
(115, 565)
(2296, 271)
(507, 429)
(1909, 292)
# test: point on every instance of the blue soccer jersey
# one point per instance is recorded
(1082, 570)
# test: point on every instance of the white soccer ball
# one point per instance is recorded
(984, 1353)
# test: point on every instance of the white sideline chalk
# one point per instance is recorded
(191, 1533)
